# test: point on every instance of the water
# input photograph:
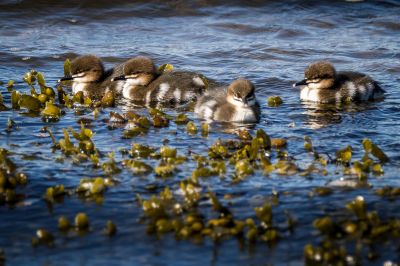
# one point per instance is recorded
(269, 43)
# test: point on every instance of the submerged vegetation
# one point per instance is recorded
(180, 202)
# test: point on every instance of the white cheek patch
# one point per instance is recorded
(313, 86)
(198, 81)
(309, 94)
(163, 90)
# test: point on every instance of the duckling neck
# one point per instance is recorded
(80, 86)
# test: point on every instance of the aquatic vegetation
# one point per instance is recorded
(63, 224)
(274, 101)
(43, 237)
(178, 199)
(111, 228)
(81, 221)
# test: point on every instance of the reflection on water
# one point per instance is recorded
(320, 115)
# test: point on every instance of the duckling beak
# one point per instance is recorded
(65, 78)
(300, 83)
(122, 77)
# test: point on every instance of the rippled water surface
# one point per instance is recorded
(268, 42)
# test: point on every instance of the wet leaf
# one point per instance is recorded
(344, 155)
(111, 228)
(40, 79)
(51, 111)
(278, 143)
(15, 99)
(372, 148)
(181, 119)
(81, 221)
(204, 129)
(191, 128)
(30, 103)
(63, 224)
(165, 68)
(274, 101)
(67, 67)
(108, 99)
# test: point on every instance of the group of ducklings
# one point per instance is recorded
(139, 80)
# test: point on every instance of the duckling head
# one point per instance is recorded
(138, 71)
(241, 93)
(85, 69)
(318, 75)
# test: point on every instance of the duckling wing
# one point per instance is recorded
(208, 105)
(177, 87)
(359, 87)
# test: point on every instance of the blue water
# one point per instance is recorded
(269, 43)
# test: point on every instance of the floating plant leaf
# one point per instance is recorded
(111, 228)
(15, 99)
(63, 224)
(10, 85)
(243, 134)
(138, 167)
(372, 148)
(181, 119)
(81, 221)
(263, 138)
(274, 101)
(165, 68)
(278, 143)
(108, 99)
(167, 152)
(308, 144)
(40, 79)
(191, 128)
(204, 129)
(30, 103)
(344, 155)
(51, 111)
(67, 67)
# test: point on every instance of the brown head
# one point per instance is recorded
(318, 75)
(138, 71)
(86, 68)
(241, 93)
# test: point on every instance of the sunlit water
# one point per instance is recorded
(268, 43)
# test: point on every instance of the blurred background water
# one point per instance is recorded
(268, 42)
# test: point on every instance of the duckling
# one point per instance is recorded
(88, 75)
(236, 103)
(324, 85)
(144, 84)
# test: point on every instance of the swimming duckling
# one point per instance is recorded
(236, 103)
(88, 75)
(144, 84)
(323, 84)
